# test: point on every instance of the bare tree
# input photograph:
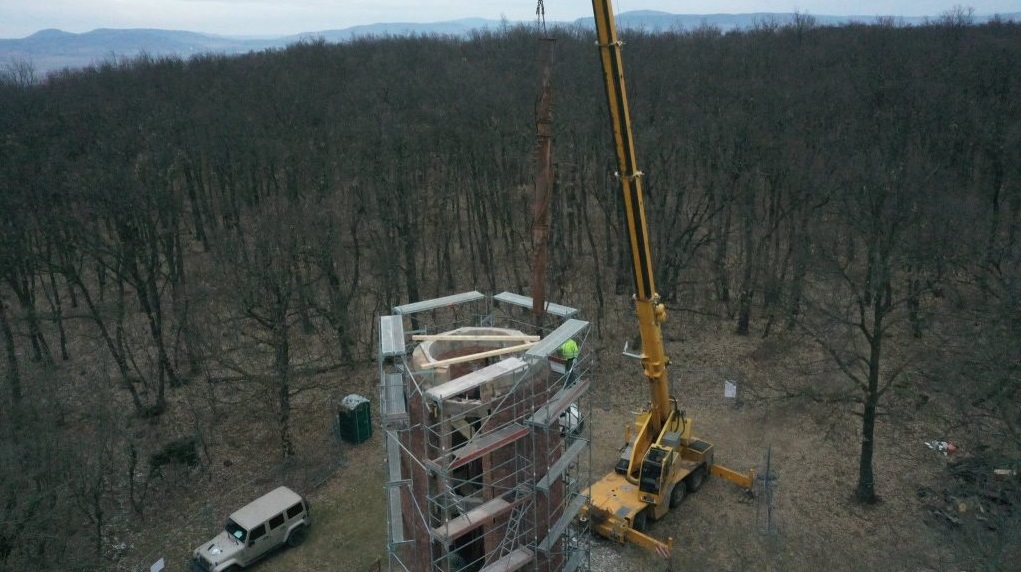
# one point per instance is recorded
(271, 285)
(13, 369)
(855, 305)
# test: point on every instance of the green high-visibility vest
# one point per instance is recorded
(569, 349)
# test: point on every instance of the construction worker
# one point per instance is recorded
(569, 351)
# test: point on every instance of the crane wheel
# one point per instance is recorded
(641, 522)
(677, 495)
(696, 480)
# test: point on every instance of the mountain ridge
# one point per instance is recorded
(52, 49)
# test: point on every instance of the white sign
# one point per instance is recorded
(730, 389)
(158, 566)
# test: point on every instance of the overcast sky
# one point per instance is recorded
(20, 18)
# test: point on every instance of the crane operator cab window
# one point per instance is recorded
(656, 464)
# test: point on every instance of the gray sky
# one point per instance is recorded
(20, 18)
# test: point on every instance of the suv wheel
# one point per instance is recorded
(297, 536)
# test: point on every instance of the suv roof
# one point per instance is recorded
(263, 508)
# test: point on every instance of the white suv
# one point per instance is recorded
(276, 518)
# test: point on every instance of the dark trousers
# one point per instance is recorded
(569, 371)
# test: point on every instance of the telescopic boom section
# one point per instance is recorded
(650, 312)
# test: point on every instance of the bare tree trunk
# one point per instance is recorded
(748, 261)
(282, 367)
(114, 340)
(193, 178)
(799, 234)
(13, 372)
(149, 298)
(409, 243)
(721, 234)
(58, 313)
(101, 280)
(341, 295)
(24, 289)
(866, 490)
(914, 302)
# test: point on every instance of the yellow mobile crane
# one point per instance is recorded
(661, 461)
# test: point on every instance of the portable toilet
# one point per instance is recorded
(354, 420)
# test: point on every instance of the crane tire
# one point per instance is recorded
(678, 493)
(641, 522)
(696, 479)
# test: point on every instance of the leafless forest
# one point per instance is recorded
(193, 251)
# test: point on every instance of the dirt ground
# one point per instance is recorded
(810, 523)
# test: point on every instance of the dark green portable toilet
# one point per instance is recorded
(354, 420)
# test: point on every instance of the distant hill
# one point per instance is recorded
(49, 50)
(654, 21)
(451, 28)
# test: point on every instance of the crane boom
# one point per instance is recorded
(661, 460)
(650, 312)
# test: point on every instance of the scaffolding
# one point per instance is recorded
(487, 446)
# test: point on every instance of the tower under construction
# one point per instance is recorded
(487, 448)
